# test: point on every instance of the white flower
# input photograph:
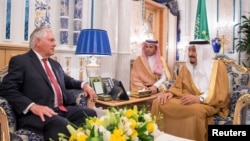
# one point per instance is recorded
(136, 139)
(106, 135)
(156, 131)
(125, 126)
(87, 131)
(102, 129)
(147, 117)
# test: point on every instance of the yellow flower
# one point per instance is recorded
(117, 135)
(133, 123)
(130, 113)
(82, 137)
(134, 133)
(150, 127)
(96, 121)
(78, 135)
(73, 137)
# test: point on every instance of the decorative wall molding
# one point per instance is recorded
(225, 23)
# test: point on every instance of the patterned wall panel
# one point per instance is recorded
(42, 13)
(64, 21)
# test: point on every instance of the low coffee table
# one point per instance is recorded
(132, 100)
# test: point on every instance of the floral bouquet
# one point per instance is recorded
(116, 125)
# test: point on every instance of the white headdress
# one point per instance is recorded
(202, 71)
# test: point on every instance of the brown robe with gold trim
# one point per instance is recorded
(190, 121)
(142, 76)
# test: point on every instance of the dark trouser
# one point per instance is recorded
(56, 124)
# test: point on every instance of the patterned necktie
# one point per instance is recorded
(56, 86)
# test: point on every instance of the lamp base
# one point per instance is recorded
(93, 71)
(93, 61)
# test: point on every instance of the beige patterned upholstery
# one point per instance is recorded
(239, 77)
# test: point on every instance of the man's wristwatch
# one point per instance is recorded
(201, 99)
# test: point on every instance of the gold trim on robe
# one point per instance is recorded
(141, 75)
(191, 121)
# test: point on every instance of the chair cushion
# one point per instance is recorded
(222, 121)
(27, 135)
(15, 137)
(237, 76)
(78, 97)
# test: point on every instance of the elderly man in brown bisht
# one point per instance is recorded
(149, 70)
(199, 92)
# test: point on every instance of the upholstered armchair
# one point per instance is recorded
(239, 85)
(8, 118)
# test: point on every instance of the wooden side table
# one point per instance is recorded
(131, 101)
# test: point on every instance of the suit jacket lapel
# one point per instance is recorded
(36, 62)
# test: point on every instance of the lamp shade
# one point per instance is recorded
(93, 42)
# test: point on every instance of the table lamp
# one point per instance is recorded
(93, 42)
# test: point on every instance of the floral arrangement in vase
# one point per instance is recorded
(116, 125)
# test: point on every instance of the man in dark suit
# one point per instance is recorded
(31, 87)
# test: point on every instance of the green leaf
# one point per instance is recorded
(142, 129)
(100, 138)
(243, 39)
(145, 137)
(92, 132)
(111, 127)
(71, 129)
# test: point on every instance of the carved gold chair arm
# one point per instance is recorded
(238, 67)
(4, 136)
(243, 101)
